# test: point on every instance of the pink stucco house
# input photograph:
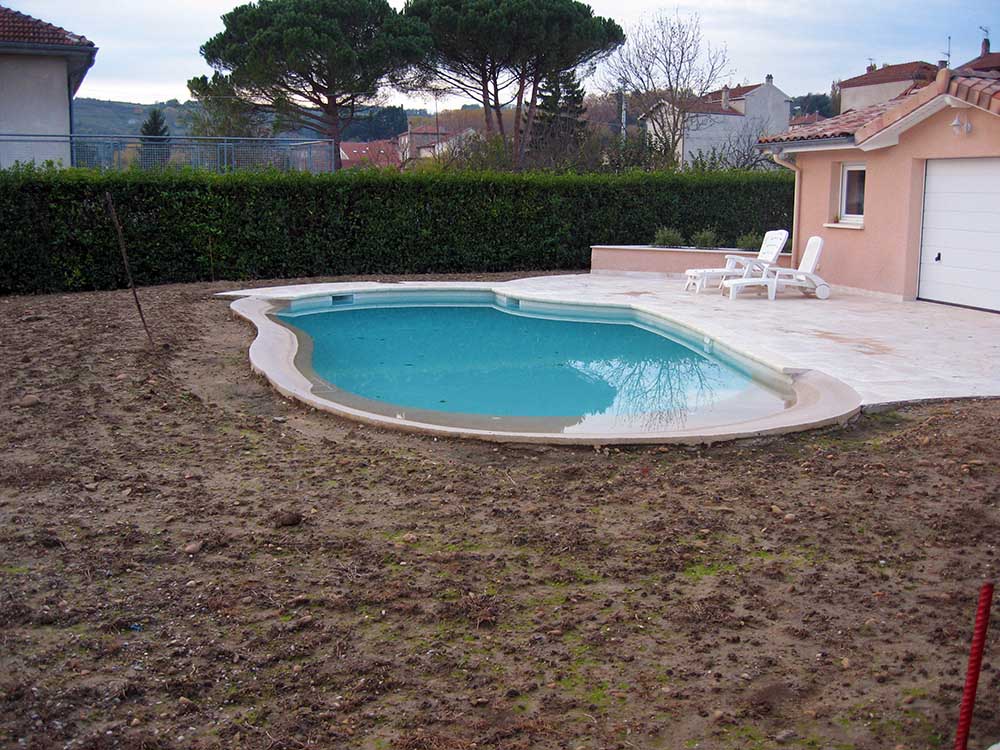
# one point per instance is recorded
(906, 192)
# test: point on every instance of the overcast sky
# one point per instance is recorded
(148, 50)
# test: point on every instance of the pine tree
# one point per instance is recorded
(560, 110)
(154, 141)
(155, 125)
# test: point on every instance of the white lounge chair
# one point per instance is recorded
(739, 266)
(776, 279)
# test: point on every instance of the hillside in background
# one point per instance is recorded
(100, 117)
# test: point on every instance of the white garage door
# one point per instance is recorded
(960, 247)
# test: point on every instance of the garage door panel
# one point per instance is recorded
(961, 228)
(959, 175)
(967, 260)
(977, 202)
(963, 239)
(957, 294)
(961, 276)
(961, 221)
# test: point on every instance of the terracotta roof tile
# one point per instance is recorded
(910, 71)
(806, 119)
(382, 153)
(736, 92)
(841, 126)
(981, 89)
(23, 29)
(988, 62)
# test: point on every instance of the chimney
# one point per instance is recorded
(986, 46)
(769, 79)
(871, 68)
(725, 97)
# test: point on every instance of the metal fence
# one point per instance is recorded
(117, 152)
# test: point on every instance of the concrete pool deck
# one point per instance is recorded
(887, 351)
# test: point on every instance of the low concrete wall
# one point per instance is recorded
(666, 260)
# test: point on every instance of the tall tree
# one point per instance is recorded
(560, 109)
(666, 68)
(497, 52)
(154, 140)
(221, 112)
(315, 62)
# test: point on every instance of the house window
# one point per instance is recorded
(852, 193)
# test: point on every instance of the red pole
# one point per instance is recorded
(975, 663)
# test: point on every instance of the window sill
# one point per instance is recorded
(844, 225)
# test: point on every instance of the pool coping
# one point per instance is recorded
(821, 400)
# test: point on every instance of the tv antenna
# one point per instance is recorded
(947, 52)
(985, 30)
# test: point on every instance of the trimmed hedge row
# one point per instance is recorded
(55, 234)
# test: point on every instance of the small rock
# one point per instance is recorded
(28, 401)
(91, 486)
(789, 518)
(185, 701)
(408, 538)
(287, 518)
(785, 735)
(135, 722)
(193, 548)
(279, 420)
(776, 510)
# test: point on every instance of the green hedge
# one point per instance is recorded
(190, 226)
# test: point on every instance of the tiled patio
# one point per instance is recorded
(887, 351)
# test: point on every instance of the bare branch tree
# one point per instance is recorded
(667, 67)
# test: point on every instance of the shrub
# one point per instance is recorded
(668, 237)
(750, 241)
(183, 225)
(705, 238)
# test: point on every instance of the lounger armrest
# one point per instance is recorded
(738, 260)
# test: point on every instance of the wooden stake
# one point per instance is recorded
(128, 270)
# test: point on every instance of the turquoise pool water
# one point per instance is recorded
(492, 366)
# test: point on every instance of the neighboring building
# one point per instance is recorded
(427, 141)
(384, 153)
(808, 119)
(906, 193)
(41, 68)
(877, 85)
(986, 62)
(724, 118)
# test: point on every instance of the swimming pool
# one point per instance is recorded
(484, 364)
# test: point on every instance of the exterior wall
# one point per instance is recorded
(884, 255)
(766, 110)
(666, 260)
(706, 132)
(34, 98)
(855, 97)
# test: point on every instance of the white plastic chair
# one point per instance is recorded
(739, 266)
(777, 279)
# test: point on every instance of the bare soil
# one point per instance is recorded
(187, 560)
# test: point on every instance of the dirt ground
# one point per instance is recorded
(187, 560)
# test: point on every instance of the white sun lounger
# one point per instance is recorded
(739, 266)
(776, 279)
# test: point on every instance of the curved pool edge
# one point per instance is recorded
(821, 400)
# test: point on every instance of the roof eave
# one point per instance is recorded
(830, 143)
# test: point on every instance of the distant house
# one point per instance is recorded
(427, 141)
(384, 153)
(877, 85)
(41, 68)
(808, 119)
(987, 62)
(720, 118)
